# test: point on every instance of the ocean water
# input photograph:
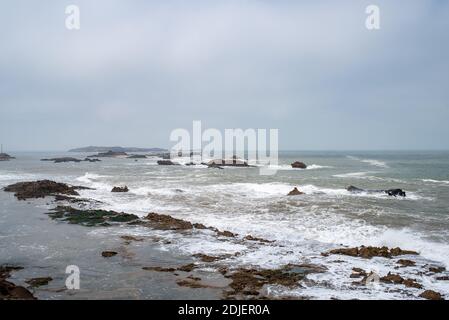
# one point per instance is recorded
(243, 201)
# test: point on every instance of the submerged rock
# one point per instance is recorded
(295, 192)
(137, 156)
(166, 222)
(90, 218)
(120, 189)
(108, 254)
(38, 282)
(299, 165)
(41, 189)
(369, 252)
(234, 162)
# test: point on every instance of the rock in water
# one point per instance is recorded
(295, 192)
(299, 165)
(390, 192)
(120, 189)
(41, 189)
(108, 254)
(63, 159)
(431, 295)
(166, 163)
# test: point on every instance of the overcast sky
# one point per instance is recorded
(139, 69)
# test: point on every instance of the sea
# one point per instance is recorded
(243, 201)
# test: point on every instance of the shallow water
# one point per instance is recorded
(242, 201)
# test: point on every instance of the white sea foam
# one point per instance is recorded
(435, 181)
(373, 162)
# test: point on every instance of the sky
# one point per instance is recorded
(136, 70)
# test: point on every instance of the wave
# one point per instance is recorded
(435, 181)
(373, 162)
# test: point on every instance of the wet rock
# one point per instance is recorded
(8, 290)
(431, 295)
(166, 222)
(41, 189)
(358, 273)
(443, 278)
(159, 269)
(397, 279)
(38, 282)
(62, 160)
(226, 233)
(92, 160)
(406, 263)
(166, 163)
(252, 280)
(390, 192)
(369, 252)
(437, 269)
(295, 192)
(108, 254)
(299, 165)
(251, 238)
(187, 268)
(109, 154)
(120, 189)
(90, 218)
(206, 258)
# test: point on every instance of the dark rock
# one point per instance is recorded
(443, 278)
(41, 189)
(206, 258)
(187, 268)
(431, 295)
(406, 263)
(38, 282)
(92, 160)
(130, 238)
(62, 159)
(299, 165)
(120, 189)
(167, 163)
(8, 290)
(251, 238)
(295, 192)
(369, 252)
(397, 279)
(390, 192)
(108, 254)
(437, 269)
(159, 269)
(226, 233)
(166, 222)
(90, 218)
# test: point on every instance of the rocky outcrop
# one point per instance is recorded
(8, 290)
(299, 165)
(295, 192)
(41, 189)
(369, 252)
(166, 163)
(62, 159)
(120, 189)
(5, 157)
(92, 160)
(390, 192)
(90, 218)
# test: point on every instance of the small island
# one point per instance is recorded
(5, 157)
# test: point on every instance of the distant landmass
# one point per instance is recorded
(116, 149)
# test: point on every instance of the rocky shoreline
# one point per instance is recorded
(242, 282)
